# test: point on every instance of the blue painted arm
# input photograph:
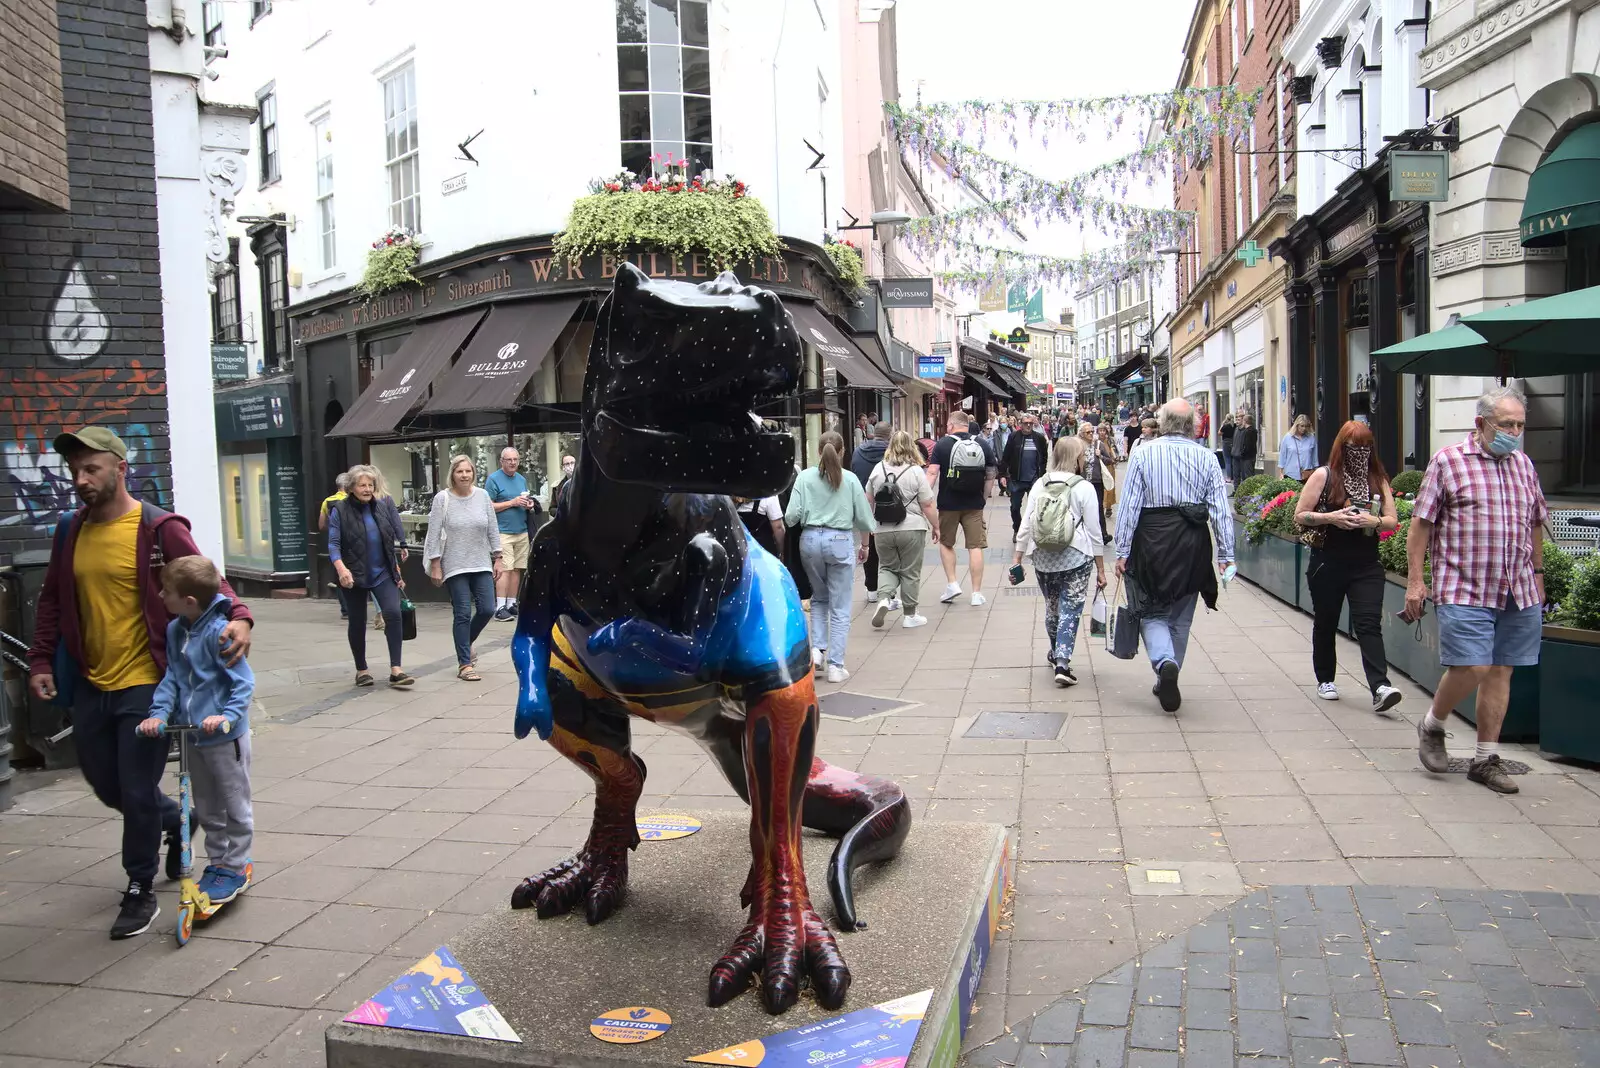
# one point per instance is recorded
(705, 567)
(530, 646)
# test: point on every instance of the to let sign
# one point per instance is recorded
(908, 292)
(930, 366)
(1419, 176)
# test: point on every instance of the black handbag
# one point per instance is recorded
(408, 619)
(1122, 628)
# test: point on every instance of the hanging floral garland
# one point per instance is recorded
(1045, 202)
(984, 266)
(1219, 107)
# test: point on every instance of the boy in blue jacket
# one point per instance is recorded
(200, 688)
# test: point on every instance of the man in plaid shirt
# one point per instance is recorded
(1480, 511)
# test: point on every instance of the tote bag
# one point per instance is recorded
(1122, 628)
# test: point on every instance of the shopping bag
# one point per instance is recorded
(408, 619)
(1097, 615)
(1122, 628)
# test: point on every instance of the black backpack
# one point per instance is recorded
(887, 507)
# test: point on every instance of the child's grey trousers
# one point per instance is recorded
(220, 774)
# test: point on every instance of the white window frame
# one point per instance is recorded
(1249, 22)
(1233, 38)
(322, 155)
(405, 210)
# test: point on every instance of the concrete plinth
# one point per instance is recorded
(550, 978)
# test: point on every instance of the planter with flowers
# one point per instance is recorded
(847, 260)
(673, 211)
(389, 262)
(1267, 552)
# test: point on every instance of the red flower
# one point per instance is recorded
(1385, 535)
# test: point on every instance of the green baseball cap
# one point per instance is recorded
(93, 439)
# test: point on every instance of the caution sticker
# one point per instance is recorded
(664, 827)
(632, 1024)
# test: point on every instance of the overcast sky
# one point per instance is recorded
(1045, 50)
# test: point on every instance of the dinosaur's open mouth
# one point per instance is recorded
(692, 445)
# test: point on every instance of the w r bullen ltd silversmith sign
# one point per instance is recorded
(539, 273)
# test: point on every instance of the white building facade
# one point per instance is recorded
(1523, 80)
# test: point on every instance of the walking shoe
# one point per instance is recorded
(881, 613)
(502, 615)
(512, 608)
(1385, 698)
(951, 592)
(910, 622)
(872, 596)
(175, 852)
(977, 599)
(1430, 748)
(1327, 691)
(139, 910)
(377, 621)
(837, 674)
(1492, 773)
(229, 885)
(894, 604)
(816, 658)
(1064, 675)
(1167, 686)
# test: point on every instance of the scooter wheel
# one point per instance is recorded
(185, 922)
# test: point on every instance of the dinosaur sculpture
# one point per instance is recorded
(644, 596)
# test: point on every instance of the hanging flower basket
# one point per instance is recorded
(847, 259)
(389, 263)
(672, 212)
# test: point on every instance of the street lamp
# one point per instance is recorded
(876, 219)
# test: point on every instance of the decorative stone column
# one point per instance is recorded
(1330, 332)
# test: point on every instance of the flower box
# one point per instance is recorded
(1567, 721)
(1273, 563)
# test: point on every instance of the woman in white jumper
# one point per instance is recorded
(1063, 569)
(462, 553)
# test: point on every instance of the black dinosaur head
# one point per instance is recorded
(673, 373)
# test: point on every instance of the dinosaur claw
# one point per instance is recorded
(525, 894)
(830, 986)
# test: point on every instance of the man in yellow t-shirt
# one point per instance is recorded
(101, 623)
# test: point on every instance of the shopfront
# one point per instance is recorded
(490, 350)
(264, 534)
(1355, 288)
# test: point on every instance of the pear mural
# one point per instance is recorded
(77, 329)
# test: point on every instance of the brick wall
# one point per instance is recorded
(33, 133)
(1211, 191)
(80, 293)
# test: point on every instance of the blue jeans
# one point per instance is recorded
(387, 597)
(1166, 636)
(469, 590)
(829, 557)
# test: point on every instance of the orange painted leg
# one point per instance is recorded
(598, 873)
(784, 939)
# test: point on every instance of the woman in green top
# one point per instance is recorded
(829, 503)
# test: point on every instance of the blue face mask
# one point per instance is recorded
(1505, 444)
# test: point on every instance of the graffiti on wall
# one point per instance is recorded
(36, 478)
(77, 329)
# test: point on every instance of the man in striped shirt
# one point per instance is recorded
(1170, 488)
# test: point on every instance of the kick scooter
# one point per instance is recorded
(192, 904)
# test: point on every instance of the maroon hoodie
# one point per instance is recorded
(163, 536)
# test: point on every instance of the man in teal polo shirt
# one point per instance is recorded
(508, 489)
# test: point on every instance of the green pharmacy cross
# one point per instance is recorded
(1250, 253)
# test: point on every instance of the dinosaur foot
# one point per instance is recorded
(787, 945)
(596, 875)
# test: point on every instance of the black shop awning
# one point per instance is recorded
(988, 385)
(1015, 382)
(406, 375)
(856, 366)
(502, 356)
(1126, 370)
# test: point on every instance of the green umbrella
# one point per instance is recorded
(1557, 335)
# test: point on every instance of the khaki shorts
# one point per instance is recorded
(973, 531)
(514, 551)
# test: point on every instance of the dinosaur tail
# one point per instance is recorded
(871, 818)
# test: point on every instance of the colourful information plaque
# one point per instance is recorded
(876, 1037)
(665, 826)
(435, 995)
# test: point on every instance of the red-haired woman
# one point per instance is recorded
(1351, 502)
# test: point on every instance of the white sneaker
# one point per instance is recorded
(872, 595)
(1327, 691)
(1385, 698)
(881, 613)
(894, 604)
(951, 592)
(914, 621)
(816, 658)
(837, 674)
(977, 599)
